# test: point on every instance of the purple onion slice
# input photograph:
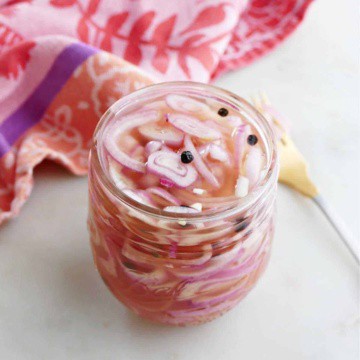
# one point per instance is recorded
(120, 181)
(234, 121)
(126, 123)
(214, 265)
(140, 196)
(199, 163)
(163, 194)
(186, 104)
(152, 146)
(168, 165)
(240, 143)
(219, 153)
(242, 186)
(167, 183)
(166, 134)
(166, 148)
(192, 126)
(203, 150)
(181, 209)
(253, 165)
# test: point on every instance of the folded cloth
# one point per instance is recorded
(64, 62)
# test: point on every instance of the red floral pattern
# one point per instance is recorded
(15, 60)
(196, 40)
(218, 35)
(262, 26)
(162, 36)
(8, 37)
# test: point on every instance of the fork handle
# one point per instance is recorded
(338, 225)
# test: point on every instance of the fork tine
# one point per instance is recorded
(264, 98)
(259, 101)
(256, 102)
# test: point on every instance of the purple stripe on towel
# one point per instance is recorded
(34, 107)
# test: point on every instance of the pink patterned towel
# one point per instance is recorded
(63, 62)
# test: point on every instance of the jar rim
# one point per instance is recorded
(240, 104)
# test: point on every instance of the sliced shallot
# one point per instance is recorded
(140, 196)
(240, 143)
(167, 183)
(126, 123)
(165, 148)
(186, 104)
(215, 264)
(120, 181)
(168, 165)
(197, 206)
(165, 134)
(192, 126)
(219, 153)
(253, 164)
(181, 209)
(204, 149)
(163, 194)
(199, 163)
(242, 186)
(233, 121)
(152, 146)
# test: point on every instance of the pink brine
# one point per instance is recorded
(182, 184)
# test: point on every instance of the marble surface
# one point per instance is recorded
(53, 304)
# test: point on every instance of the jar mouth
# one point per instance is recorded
(236, 205)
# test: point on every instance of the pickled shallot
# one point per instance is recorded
(177, 232)
(152, 146)
(186, 104)
(168, 165)
(200, 164)
(168, 134)
(164, 195)
(192, 126)
(125, 124)
(185, 143)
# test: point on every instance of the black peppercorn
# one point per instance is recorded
(187, 157)
(252, 140)
(241, 227)
(241, 224)
(129, 265)
(223, 112)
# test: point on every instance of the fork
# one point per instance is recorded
(294, 172)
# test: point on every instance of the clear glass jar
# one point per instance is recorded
(181, 269)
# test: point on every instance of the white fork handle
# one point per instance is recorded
(338, 225)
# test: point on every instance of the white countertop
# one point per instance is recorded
(53, 304)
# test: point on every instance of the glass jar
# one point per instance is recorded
(186, 268)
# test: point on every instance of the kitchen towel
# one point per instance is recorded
(64, 62)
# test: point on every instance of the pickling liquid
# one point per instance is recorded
(180, 157)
